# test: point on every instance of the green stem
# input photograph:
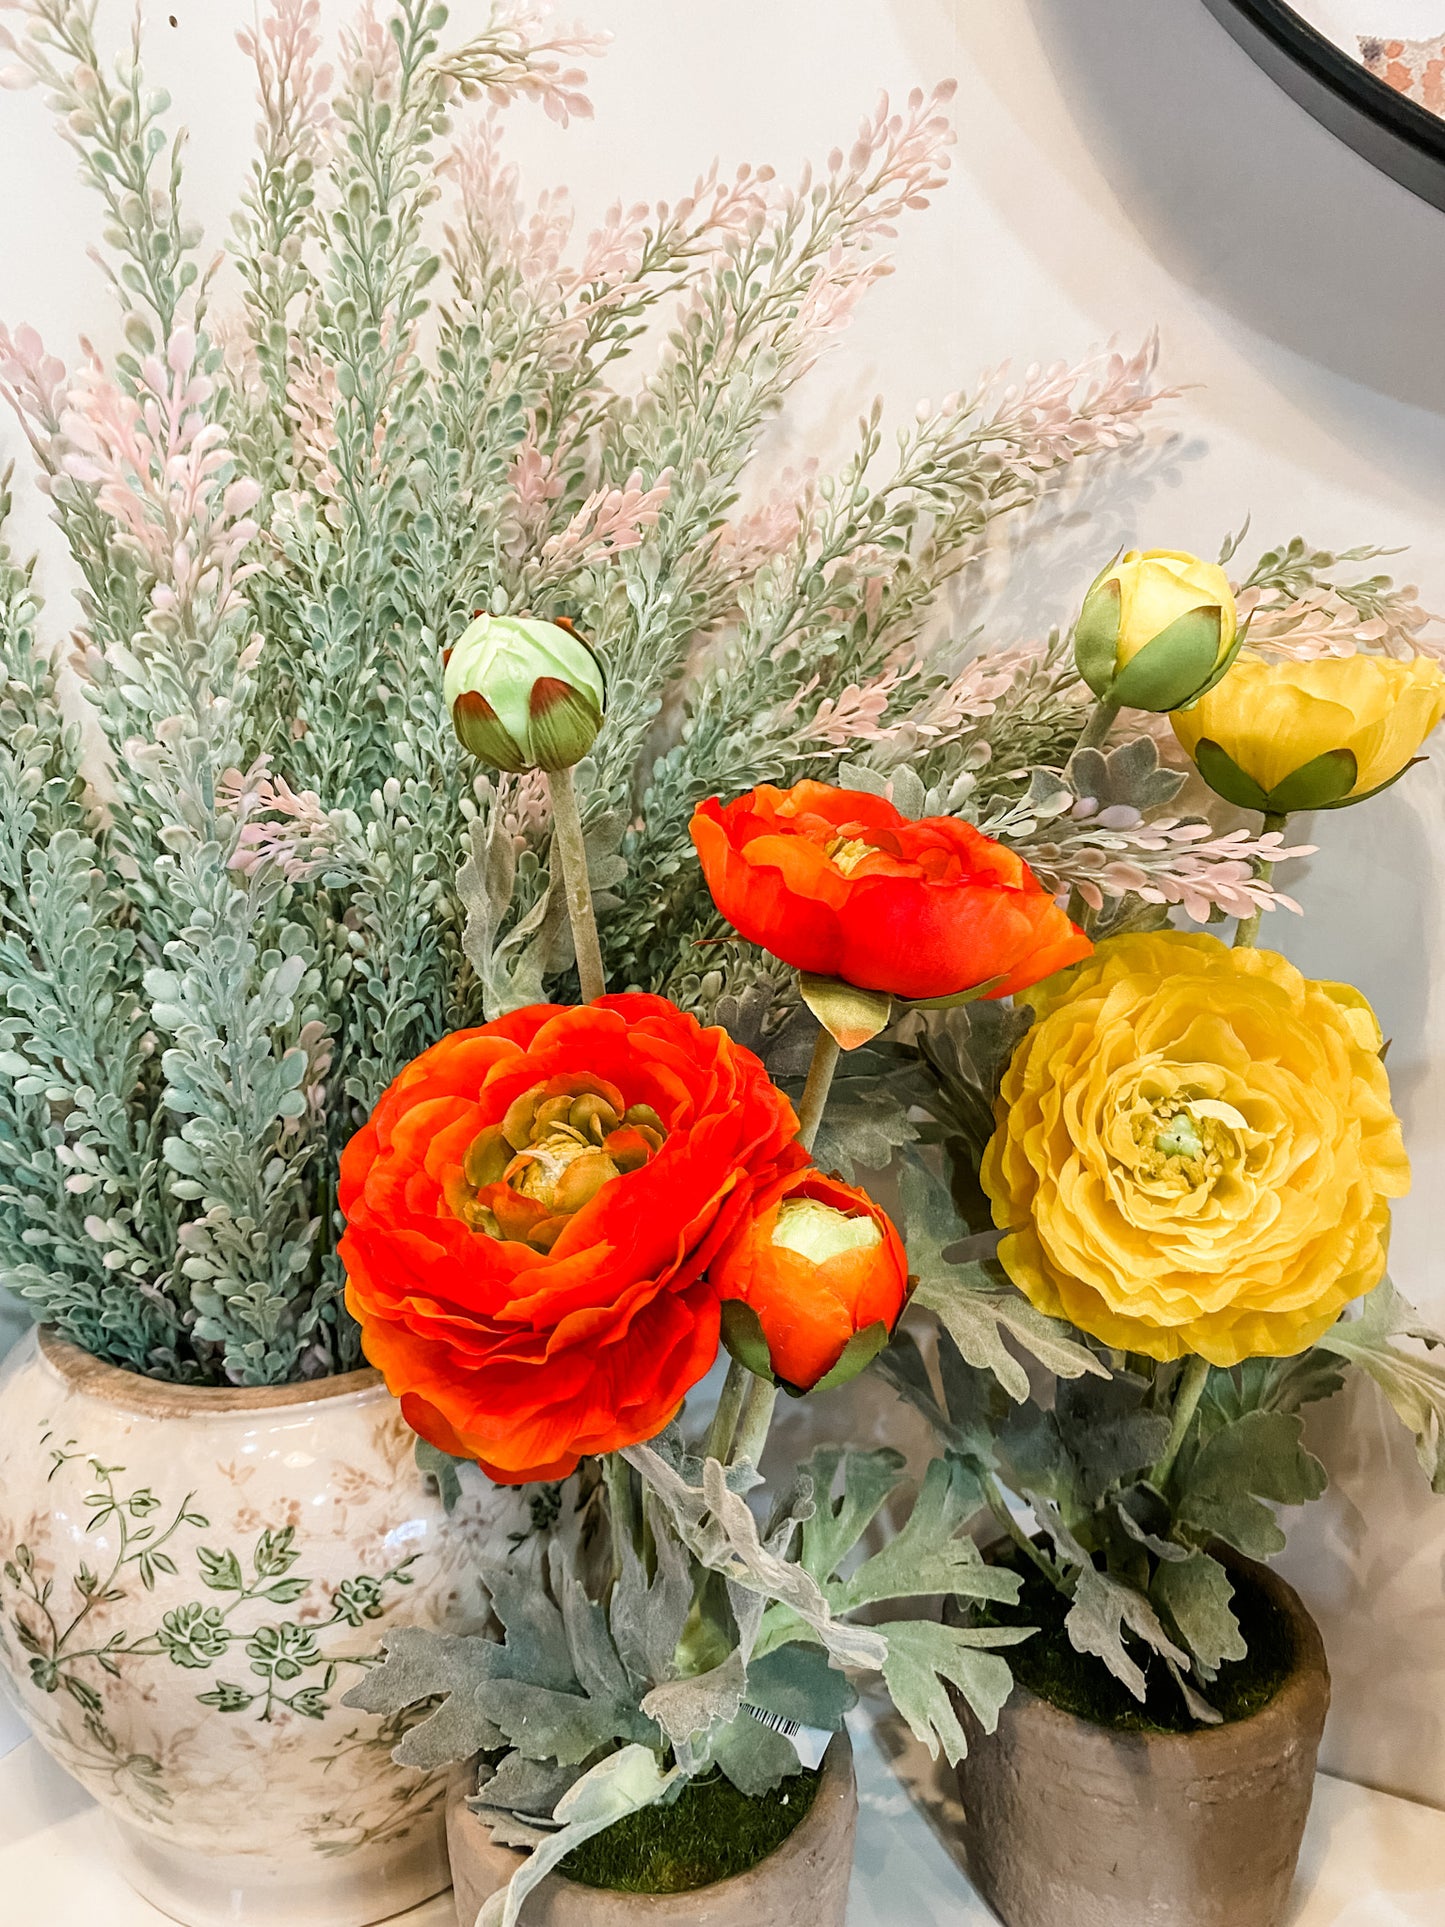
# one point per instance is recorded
(999, 1506)
(572, 848)
(1192, 1381)
(757, 1418)
(729, 1410)
(1247, 930)
(618, 1474)
(1100, 722)
(826, 1053)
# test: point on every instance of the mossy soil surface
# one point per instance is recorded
(1079, 1683)
(710, 1832)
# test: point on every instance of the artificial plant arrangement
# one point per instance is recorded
(261, 908)
(248, 872)
(1189, 1150)
(553, 1219)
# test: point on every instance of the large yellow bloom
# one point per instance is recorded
(1302, 735)
(1195, 1150)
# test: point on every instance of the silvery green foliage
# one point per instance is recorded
(256, 876)
(1136, 1542)
(733, 1609)
(253, 875)
(1412, 1380)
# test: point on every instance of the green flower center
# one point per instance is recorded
(523, 1179)
(819, 1232)
(1188, 1139)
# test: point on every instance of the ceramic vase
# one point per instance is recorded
(802, 1883)
(190, 1580)
(1072, 1824)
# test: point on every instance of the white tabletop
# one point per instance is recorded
(1369, 1860)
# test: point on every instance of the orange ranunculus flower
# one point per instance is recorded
(531, 1213)
(840, 884)
(818, 1262)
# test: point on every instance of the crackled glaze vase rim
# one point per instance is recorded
(155, 1398)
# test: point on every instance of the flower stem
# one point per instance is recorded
(567, 832)
(826, 1053)
(1100, 722)
(1192, 1381)
(998, 1505)
(729, 1410)
(620, 1511)
(757, 1418)
(1247, 930)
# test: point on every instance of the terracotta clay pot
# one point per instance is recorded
(802, 1883)
(1072, 1824)
(190, 1580)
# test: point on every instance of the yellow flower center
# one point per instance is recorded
(1181, 1142)
(845, 853)
(819, 1232)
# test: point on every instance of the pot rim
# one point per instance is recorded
(82, 1372)
(1290, 1707)
(835, 1776)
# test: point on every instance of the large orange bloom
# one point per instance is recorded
(531, 1212)
(819, 1262)
(840, 884)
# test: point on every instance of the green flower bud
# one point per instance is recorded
(1157, 630)
(524, 694)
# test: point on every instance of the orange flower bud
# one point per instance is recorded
(823, 1272)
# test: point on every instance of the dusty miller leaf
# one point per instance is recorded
(699, 1703)
(975, 1309)
(718, 1528)
(1107, 1431)
(838, 1522)
(932, 1553)
(753, 1756)
(1196, 1594)
(1103, 1606)
(625, 1782)
(799, 1683)
(1219, 1487)
(419, 1666)
(648, 1616)
(518, 1785)
(923, 1655)
(1414, 1386)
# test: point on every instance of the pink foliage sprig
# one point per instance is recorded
(521, 57)
(34, 384)
(278, 825)
(162, 471)
(1114, 852)
(1325, 623)
(610, 521)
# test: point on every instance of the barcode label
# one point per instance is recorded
(810, 1743)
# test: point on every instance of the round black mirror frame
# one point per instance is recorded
(1397, 135)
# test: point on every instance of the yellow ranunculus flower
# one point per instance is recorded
(1195, 1150)
(1285, 736)
(1156, 628)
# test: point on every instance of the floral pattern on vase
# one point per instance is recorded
(189, 1583)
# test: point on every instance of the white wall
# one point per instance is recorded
(1120, 164)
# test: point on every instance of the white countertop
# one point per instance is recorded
(1369, 1861)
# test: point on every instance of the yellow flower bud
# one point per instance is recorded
(1156, 630)
(1283, 736)
(524, 694)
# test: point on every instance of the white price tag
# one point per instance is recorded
(810, 1743)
